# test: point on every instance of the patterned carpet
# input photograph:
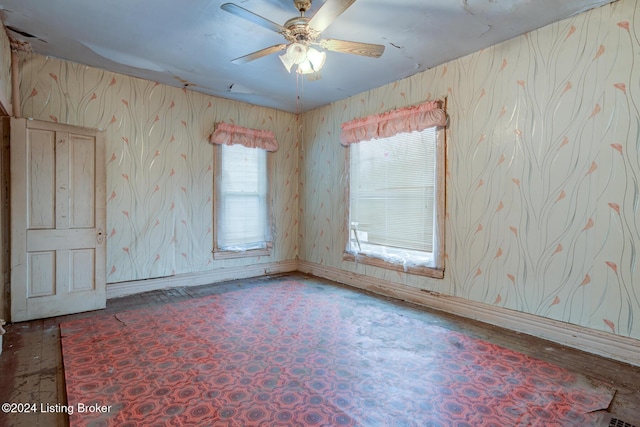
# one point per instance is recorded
(295, 354)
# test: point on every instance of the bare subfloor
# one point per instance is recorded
(31, 369)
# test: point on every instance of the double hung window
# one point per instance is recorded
(396, 201)
(241, 209)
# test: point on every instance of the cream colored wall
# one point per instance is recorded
(543, 172)
(159, 164)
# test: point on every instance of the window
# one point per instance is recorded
(396, 189)
(242, 223)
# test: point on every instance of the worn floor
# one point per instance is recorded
(32, 370)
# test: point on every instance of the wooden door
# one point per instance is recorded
(57, 220)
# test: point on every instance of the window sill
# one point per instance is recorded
(218, 254)
(436, 273)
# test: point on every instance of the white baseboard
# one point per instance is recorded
(120, 289)
(605, 344)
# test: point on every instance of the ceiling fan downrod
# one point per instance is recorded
(302, 5)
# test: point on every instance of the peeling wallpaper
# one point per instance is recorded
(542, 180)
(160, 164)
(543, 172)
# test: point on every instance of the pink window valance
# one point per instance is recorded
(409, 119)
(230, 134)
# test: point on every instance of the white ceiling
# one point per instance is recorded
(192, 42)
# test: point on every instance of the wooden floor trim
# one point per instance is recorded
(120, 289)
(604, 344)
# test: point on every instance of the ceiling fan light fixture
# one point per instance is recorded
(316, 58)
(307, 59)
(305, 67)
(296, 53)
(286, 62)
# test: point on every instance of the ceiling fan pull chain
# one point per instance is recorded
(299, 82)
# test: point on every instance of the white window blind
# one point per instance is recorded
(392, 193)
(242, 211)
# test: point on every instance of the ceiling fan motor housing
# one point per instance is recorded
(298, 31)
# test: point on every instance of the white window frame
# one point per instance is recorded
(398, 259)
(265, 247)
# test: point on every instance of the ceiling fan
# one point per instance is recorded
(302, 33)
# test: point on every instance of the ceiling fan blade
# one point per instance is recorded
(259, 54)
(356, 48)
(328, 12)
(250, 16)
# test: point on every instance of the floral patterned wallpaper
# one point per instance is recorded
(160, 163)
(543, 172)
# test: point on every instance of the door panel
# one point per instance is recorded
(41, 166)
(41, 279)
(82, 185)
(82, 270)
(58, 218)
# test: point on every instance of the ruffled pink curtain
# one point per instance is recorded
(409, 119)
(230, 134)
